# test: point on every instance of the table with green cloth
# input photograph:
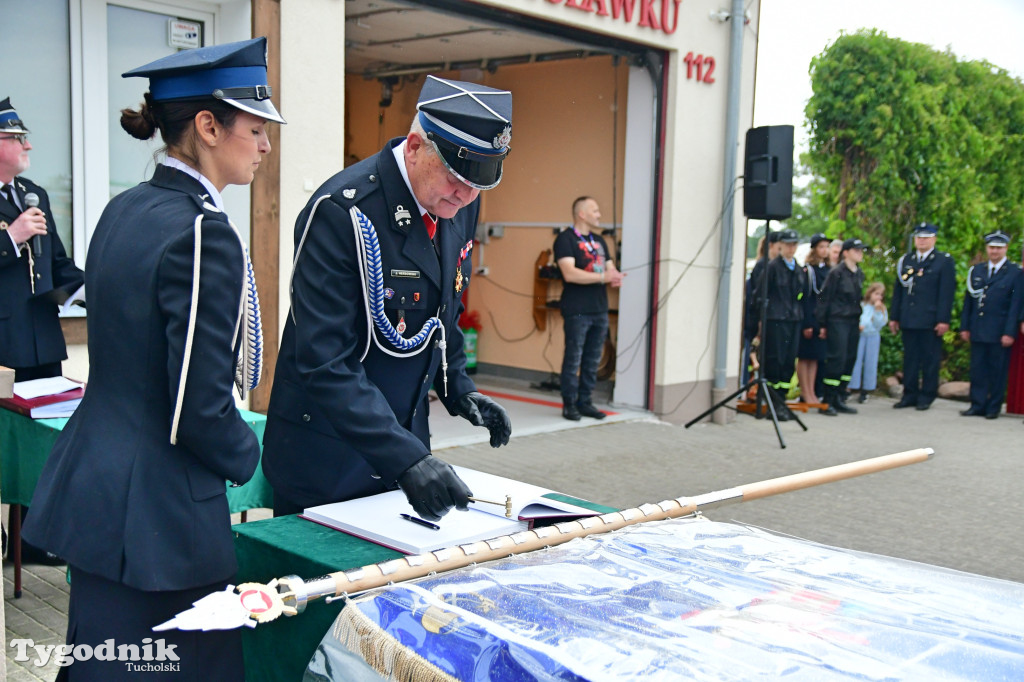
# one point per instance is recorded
(289, 545)
(25, 445)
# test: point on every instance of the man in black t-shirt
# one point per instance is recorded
(582, 258)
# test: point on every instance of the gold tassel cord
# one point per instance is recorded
(296, 593)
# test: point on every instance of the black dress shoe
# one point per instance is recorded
(828, 411)
(862, 397)
(972, 412)
(993, 415)
(843, 408)
(588, 410)
(571, 413)
(921, 407)
(903, 403)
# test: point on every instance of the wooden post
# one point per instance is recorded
(265, 245)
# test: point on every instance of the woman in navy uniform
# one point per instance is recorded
(838, 313)
(811, 349)
(922, 304)
(133, 494)
(993, 303)
(375, 300)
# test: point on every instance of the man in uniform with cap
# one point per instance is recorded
(35, 272)
(838, 313)
(993, 303)
(384, 247)
(785, 284)
(922, 304)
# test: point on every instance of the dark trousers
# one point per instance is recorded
(51, 369)
(780, 344)
(842, 336)
(102, 610)
(990, 365)
(922, 351)
(584, 341)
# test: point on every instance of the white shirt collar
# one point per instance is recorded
(214, 198)
(399, 152)
(996, 266)
(922, 256)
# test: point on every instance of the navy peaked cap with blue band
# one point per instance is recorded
(9, 121)
(925, 230)
(235, 73)
(997, 238)
(469, 125)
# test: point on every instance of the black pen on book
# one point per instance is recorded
(428, 524)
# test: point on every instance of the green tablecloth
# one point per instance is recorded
(25, 445)
(280, 650)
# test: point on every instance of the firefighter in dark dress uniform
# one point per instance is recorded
(838, 313)
(133, 494)
(36, 274)
(787, 285)
(993, 303)
(375, 301)
(922, 304)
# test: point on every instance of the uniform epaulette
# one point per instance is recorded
(356, 189)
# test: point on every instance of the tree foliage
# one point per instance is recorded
(900, 133)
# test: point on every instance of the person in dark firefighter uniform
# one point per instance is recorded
(785, 284)
(382, 258)
(838, 313)
(922, 304)
(133, 494)
(993, 307)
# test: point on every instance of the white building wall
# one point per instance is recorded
(313, 102)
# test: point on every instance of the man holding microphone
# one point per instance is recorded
(35, 271)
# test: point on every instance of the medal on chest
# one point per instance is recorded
(463, 255)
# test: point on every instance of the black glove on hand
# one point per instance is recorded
(482, 411)
(432, 488)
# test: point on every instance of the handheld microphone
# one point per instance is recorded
(32, 201)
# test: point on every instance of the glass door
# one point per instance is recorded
(134, 37)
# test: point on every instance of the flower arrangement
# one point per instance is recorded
(470, 319)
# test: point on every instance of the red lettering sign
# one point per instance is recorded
(653, 14)
(624, 9)
(647, 16)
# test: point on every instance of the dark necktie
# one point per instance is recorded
(8, 192)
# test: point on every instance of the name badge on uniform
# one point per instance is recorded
(408, 274)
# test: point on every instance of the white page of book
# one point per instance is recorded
(378, 518)
(39, 387)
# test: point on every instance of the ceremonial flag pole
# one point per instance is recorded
(252, 603)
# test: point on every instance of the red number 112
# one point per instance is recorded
(698, 63)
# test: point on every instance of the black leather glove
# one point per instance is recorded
(432, 488)
(482, 411)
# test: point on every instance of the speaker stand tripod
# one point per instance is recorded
(765, 393)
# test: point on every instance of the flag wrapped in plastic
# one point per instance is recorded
(683, 599)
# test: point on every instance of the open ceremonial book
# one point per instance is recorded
(379, 519)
